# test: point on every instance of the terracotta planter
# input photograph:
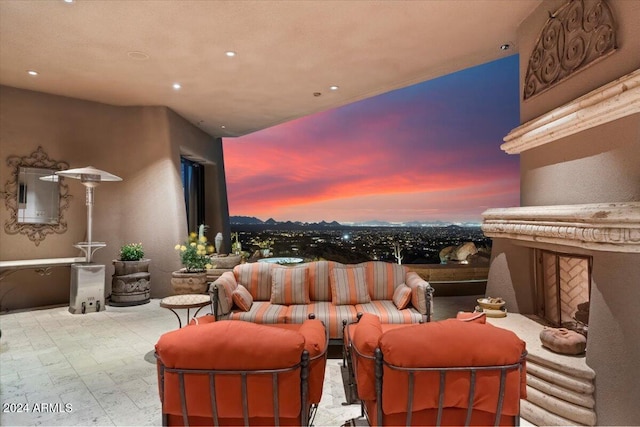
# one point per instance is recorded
(183, 282)
(130, 283)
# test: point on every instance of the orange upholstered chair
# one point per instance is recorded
(437, 373)
(240, 373)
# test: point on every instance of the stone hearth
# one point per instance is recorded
(559, 387)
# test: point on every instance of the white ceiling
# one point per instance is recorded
(286, 51)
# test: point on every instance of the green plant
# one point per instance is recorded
(195, 253)
(236, 246)
(265, 244)
(131, 252)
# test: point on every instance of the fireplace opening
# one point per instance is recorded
(563, 289)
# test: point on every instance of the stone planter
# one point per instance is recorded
(225, 261)
(222, 264)
(183, 282)
(130, 283)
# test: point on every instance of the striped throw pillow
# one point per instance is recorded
(349, 285)
(402, 296)
(242, 298)
(290, 285)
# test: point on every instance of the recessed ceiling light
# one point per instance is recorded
(223, 127)
(505, 46)
(334, 87)
(68, 1)
(177, 86)
(32, 72)
(230, 53)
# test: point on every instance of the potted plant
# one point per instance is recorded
(265, 247)
(195, 256)
(130, 284)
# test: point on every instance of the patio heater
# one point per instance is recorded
(87, 279)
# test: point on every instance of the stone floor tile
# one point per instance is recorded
(63, 376)
(16, 418)
(102, 364)
(91, 367)
(44, 396)
(7, 376)
(39, 371)
(51, 357)
(98, 381)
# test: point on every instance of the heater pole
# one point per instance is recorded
(89, 202)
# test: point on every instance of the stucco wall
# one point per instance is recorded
(142, 145)
(613, 346)
(511, 276)
(598, 165)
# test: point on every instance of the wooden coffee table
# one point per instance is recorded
(186, 301)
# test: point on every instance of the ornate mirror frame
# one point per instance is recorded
(35, 232)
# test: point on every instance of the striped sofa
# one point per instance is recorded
(335, 293)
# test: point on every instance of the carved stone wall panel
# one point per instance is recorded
(572, 38)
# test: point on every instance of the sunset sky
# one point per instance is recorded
(426, 152)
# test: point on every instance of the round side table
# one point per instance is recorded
(186, 301)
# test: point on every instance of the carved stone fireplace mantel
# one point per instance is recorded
(613, 227)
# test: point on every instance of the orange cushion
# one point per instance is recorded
(450, 343)
(365, 340)
(226, 284)
(290, 285)
(402, 296)
(242, 298)
(319, 289)
(383, 278)
(231, 345)
(315, 342)
(348, 285)
(418, 298)
(228, 344)
(256, 277)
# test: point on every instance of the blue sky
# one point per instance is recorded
(427, 152)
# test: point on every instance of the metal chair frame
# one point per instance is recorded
(307, 411)
(380, 363)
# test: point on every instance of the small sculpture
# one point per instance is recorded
(218, 242)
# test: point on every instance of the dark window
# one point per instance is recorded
(193, 185)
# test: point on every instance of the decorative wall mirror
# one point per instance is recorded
(38, 196)
(35, 196)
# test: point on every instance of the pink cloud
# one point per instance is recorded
(410, 155)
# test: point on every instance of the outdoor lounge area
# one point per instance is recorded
(566, 255)
(103, 365)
